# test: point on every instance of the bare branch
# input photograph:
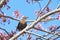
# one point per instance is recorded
(55, 36)
(58, 6)
(45, 6)
(11, 18)
(35, 34)
(5, 30)
(57, 28)
(48, 19)
(28, 20)
(15, 18)
(46, 31)
(35, 22)
(44, 20)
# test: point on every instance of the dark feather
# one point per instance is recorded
(21, 26)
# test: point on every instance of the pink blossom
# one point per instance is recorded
(58, 15)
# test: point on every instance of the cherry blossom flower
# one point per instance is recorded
(39, 26)
(58, 15)
(27, 1)
(4, 18)
(52, 28)
(38, 14)
(16, 13)
(29, 37)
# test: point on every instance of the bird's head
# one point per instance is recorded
(24, 17)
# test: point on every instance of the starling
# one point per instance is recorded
(22, 23)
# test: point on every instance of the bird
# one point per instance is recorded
(22, 23)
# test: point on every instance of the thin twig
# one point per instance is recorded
(35, 34)
(54, 36)
(53, 30)
(49, 32)
(45, 6)
(5, 30)
(40, 11)
(58, 6)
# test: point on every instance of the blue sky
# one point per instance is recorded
(27, 10)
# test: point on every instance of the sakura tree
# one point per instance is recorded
(45, 26)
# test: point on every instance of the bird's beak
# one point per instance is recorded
(27, 17)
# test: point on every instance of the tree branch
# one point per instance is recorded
(53, 30)
(5, 31)
(47, 31)
(28, 20)
(50, 32)
(35, 34)
(54, 36)
(45, 6)
(48, 19)
(58, 6)
(34, 23)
